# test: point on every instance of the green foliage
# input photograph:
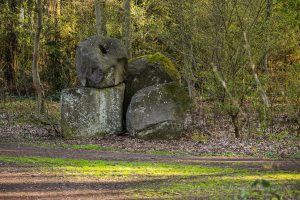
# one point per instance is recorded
(195, 34)
(21, 111)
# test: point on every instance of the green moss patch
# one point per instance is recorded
(165, 63)
(178, 94)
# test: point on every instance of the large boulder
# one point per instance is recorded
(157, 112)
(146, 71)
(101, 64)
(89, 112)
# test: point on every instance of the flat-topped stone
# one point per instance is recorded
(88, 112)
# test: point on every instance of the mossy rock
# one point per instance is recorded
(149, 70)
(163, 62)
(158, 112)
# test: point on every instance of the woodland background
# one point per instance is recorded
(239, 59)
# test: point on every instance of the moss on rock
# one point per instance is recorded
(165, 64)
(178, 95)
(158, 112)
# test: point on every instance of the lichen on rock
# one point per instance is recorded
(146, 71)
(88, 112)
(158, 112)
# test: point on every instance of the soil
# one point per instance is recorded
(17, 182)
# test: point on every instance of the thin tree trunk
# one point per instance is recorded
(268, 16)
(11, 46)
(58, 8)
(269, 9)
(235, 122)
(127, 28)
(35, 73)
(100, 19)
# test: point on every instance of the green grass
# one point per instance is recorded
(22, 111)
(110, 168)
(173, 180)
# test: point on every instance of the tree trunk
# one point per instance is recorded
(100, 18)
(58, 8)
(269, 9)
(35, 73)
(11, 46)
(235, 122)
(127, 28)
(269, 5)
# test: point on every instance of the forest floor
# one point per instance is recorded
(35, 163)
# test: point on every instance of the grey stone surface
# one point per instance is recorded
(89, 112)
(146, 71)
(157, 112)
(101, 64)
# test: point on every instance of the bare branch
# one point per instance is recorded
(258, 83)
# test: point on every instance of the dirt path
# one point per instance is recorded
(19, 182)
(249, 163)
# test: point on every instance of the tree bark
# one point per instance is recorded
(269, 5)
(235, 122)
(269, 9)
(100, 19)
(35, 72)
(127, 28)
(11, 46)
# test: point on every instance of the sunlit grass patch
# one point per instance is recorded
(227, 187)
(113, 168)
(172, 180)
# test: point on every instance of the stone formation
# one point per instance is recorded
(142, 96)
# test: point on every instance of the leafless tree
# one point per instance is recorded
(100, 18)
(127, 28)
(35, 71)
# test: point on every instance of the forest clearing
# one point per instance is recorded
(150, 99)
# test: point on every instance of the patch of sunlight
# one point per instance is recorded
(179, 180)
(212, 186)
(112, 168)
(280, 176)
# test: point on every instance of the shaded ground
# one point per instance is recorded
(286, 146)
(249, 163)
